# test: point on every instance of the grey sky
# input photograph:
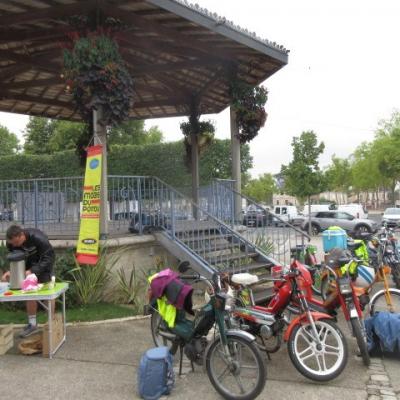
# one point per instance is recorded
(342, 76)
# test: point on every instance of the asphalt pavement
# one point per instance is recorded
(101, 361)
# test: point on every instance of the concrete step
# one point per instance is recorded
(228, 258)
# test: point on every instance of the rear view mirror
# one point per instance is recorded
(183, 266)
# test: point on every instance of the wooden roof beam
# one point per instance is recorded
(49, 13)
(37, 100)
(181, 39)
(170, 67)
(29, 60)
(13, 70)
(18, 35)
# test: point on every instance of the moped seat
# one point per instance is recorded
(343, 261)
(244, 279)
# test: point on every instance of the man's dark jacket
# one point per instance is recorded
(41, 254)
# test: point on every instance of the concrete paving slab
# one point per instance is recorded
(101, 361)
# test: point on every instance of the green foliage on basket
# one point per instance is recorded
(204, 130)
(248, 102)
(98, 77)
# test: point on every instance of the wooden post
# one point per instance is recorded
(100, 137)
(195, 173)
(236, 173)
(194, 115)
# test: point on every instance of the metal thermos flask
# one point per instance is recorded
(17, 268)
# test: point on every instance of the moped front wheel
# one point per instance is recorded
(361, 339)
(320, 360)
(237, 370)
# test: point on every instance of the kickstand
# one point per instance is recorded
(266, 351)
(181, 359)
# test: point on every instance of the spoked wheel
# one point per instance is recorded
(319, 362)
(162, 336)
(359, 334)
(383, 301)
(239, 376)
(396, 274)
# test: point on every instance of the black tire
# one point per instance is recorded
(212, 374)
(157, 324)
(338, 366)
(395, 267)
(378, 303)
(362, 228)
(315, 229)
(361, 340)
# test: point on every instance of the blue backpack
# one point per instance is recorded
(156, 374)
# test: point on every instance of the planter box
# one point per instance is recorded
(6, 339)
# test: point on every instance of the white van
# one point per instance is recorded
(356, 210)
(318, 207)
(286, 213)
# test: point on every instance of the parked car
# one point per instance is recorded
(286, 213)
(324, 219)
(391, 217)
(356, 210)
(257, 216)
(7, 215)
(319, 207)
(124, 215)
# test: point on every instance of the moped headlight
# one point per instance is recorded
(345, 286)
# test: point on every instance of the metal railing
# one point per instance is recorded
(216, 245)
(260, 226)
(137, 204)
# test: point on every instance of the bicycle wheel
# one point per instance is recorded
(379, 302)
(162, 336)
(359, 334)
(395, 267)
(319, 364)
(240, 378)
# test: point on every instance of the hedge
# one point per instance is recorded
(164, 160)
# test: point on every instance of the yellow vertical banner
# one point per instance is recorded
(89, 232)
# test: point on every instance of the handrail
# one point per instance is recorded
(274, 215)
(221, 223)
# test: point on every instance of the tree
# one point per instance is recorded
(261, 189)
(9, 143)
(66, 135)
(386, 148)
(46, 136)
(134, 132)
(38, 133)
(303, 177)
(339, 175)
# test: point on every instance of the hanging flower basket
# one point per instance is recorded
(249, 102)
(97, 77)
(204, 130)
